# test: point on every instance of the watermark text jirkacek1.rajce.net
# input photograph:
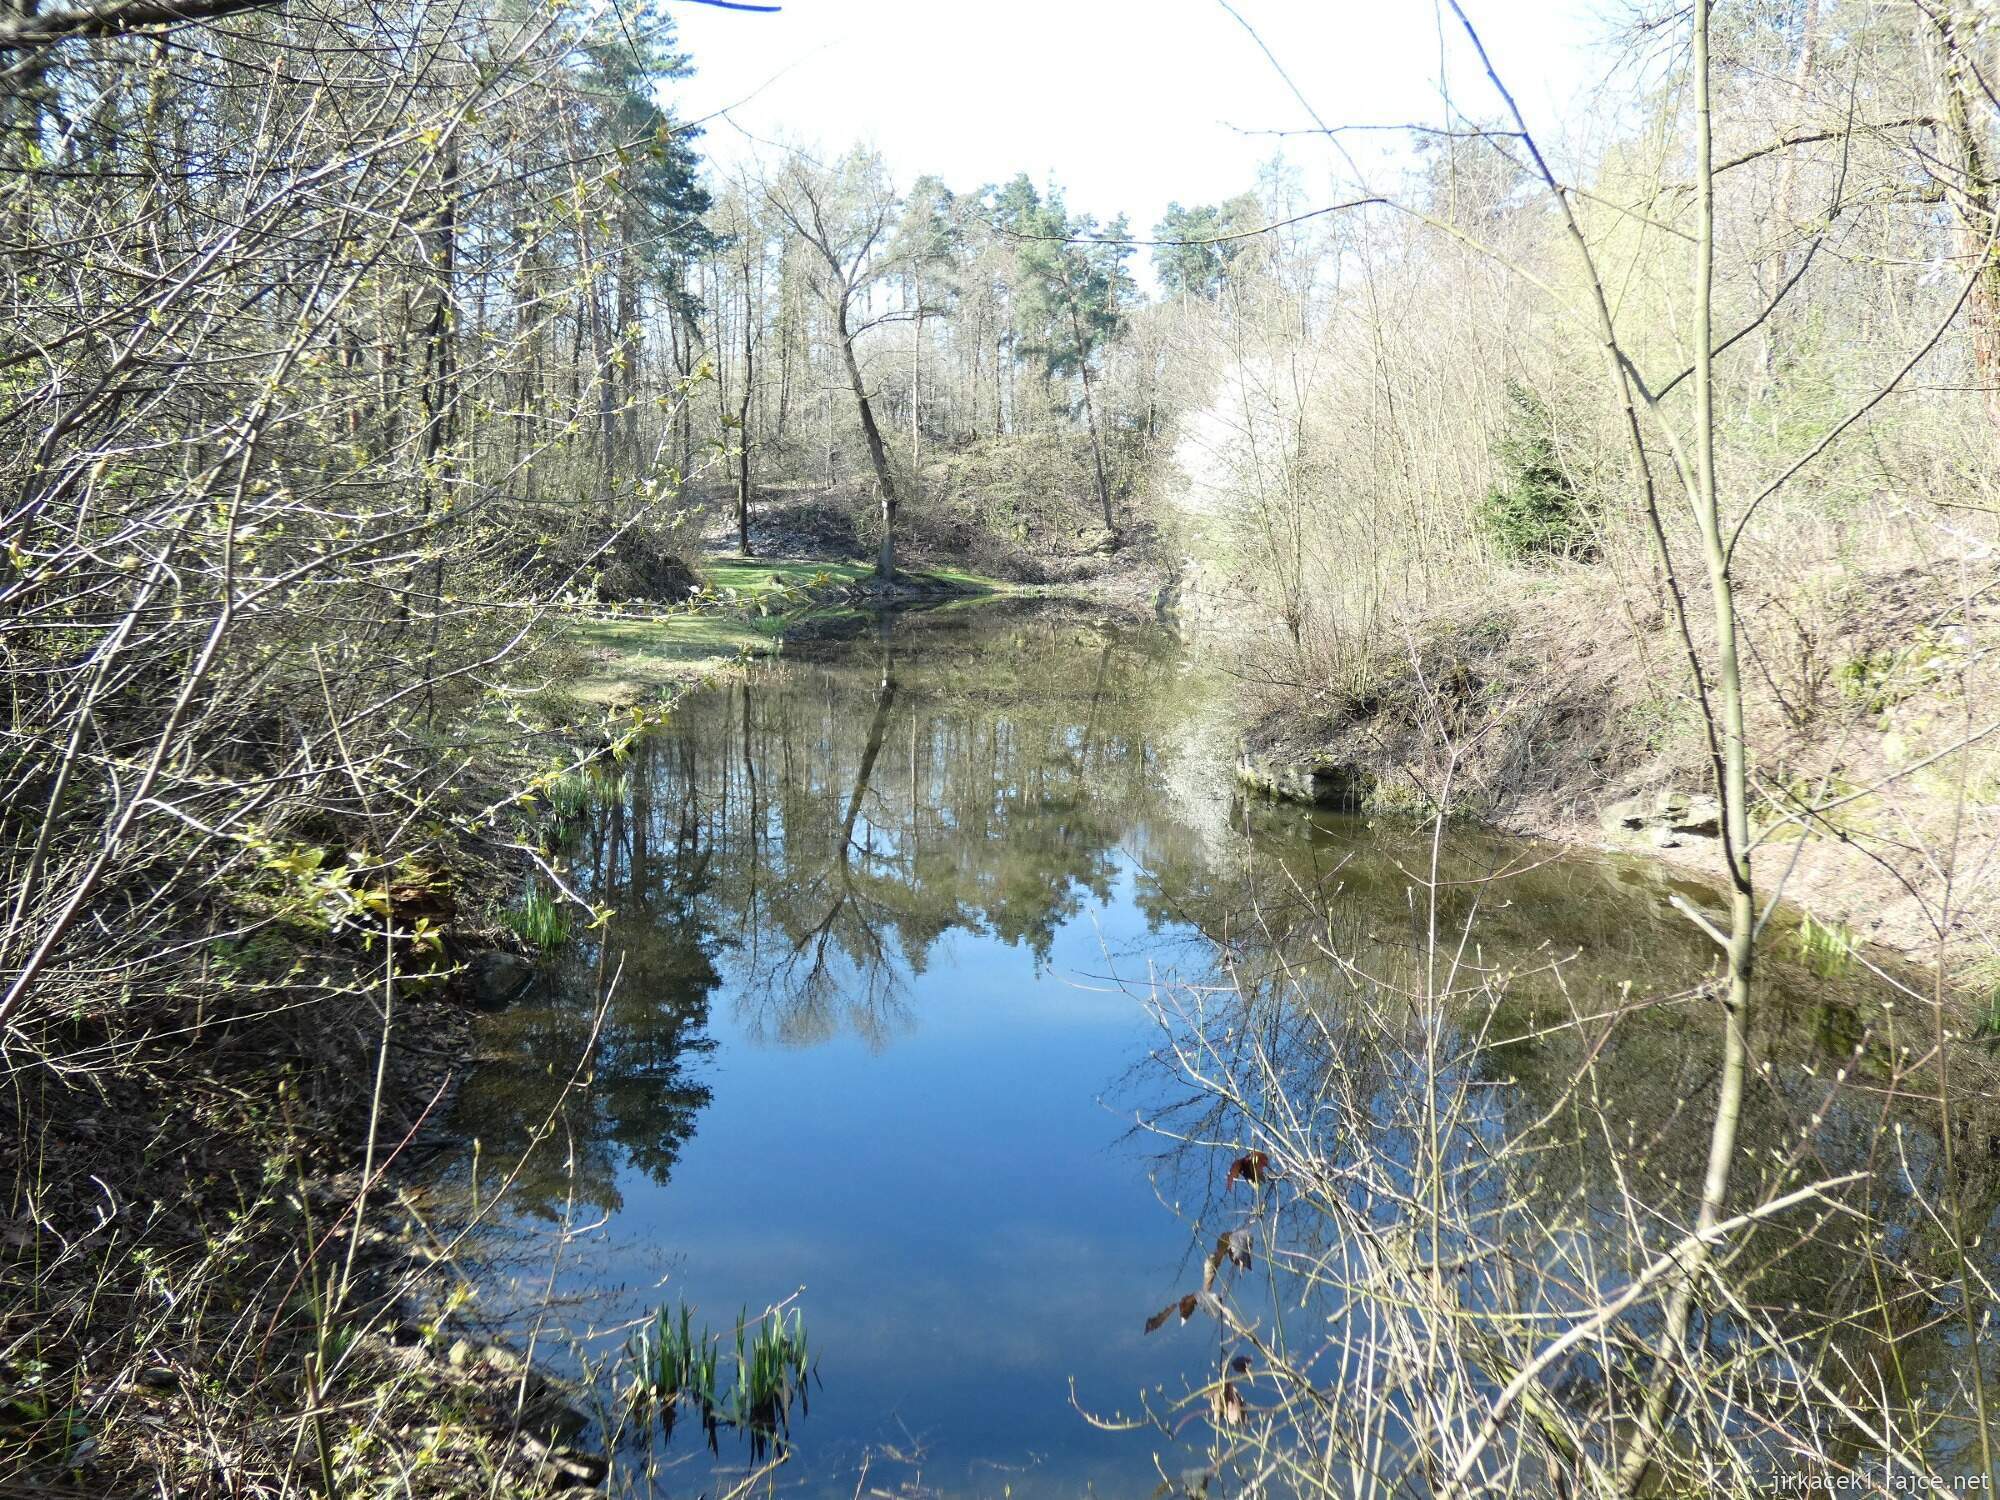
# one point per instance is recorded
(1901, 1483)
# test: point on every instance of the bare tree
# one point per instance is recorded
(844, 215)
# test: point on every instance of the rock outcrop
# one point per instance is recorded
(1317, 784)
(1664, 819)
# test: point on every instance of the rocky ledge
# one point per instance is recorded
(1664, 819)
(1315, 783)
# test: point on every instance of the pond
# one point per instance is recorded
(870, 1030)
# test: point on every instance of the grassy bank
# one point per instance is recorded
(745, 608)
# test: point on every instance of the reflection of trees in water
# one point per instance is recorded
(1545, 1143)
(643, 854)
(863, 808)
(810, 836)
(841, 968)
(813, 832)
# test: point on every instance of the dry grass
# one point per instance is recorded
(1547, 703)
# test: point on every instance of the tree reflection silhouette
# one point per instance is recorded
(802, 839)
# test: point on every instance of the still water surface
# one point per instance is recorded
(887, 912)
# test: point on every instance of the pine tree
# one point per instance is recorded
(1198, 254)
(1536, 512)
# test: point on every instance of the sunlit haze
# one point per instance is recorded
(1130, 104)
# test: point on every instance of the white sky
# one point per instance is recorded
(1128, 103)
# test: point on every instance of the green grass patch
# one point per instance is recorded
(539, 920)
(752, 576)
(748, 604)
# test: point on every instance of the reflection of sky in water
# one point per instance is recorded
(915, 1105)
(968, 1228)
(927, 1133)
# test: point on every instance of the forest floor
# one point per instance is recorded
(226, 1279)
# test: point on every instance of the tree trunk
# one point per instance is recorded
(631, 458)
(1969, 188)
(917, 398)
(878, 452)
(743, 426)
(677, 353)
(1090, 409)
(1734, 792)
(1097, 454)
(690, 343)
(1783, 264)
(604, 373)
(999, 398)
(438, 393)
(885, 555)
(784, 332)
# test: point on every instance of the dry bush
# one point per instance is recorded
(310, 361)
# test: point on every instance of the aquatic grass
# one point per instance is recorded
(571, 795)
(574, 792)
(539, 920)
(772, 1370)
(610, 784)
(675, 1365)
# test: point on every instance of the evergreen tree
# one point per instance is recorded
(1197, 260)
(1073, 287)
(1074, 290)
(1536, 512)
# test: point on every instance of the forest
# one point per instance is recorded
(485, 560)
